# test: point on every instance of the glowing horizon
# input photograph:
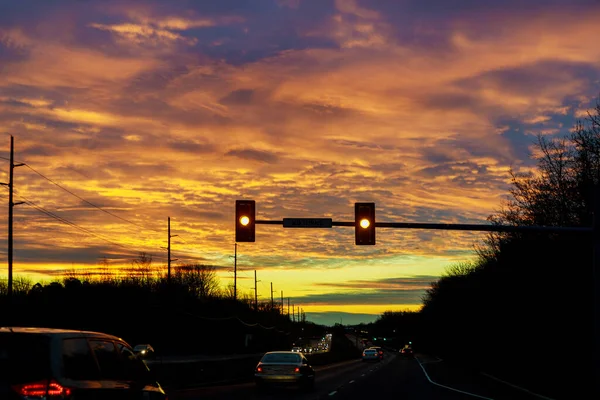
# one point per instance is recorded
(127, 114)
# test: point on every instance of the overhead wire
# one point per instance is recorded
(84, 200)
(74, 225)
(101, 209)
(96, 206)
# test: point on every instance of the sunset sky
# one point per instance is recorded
(127, 113)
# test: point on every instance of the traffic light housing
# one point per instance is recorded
(364, 223)
(245, 221)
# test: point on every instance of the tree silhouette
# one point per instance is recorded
(530, 291)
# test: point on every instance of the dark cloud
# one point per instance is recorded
(191, 147)
(387, 284)
(436, 9)
(363, 145)
(330, 318)
(254, 155)
(534, 79)
(330, 111)
(412, 296)
(238, 97)
(65, 255)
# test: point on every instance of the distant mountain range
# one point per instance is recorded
(330, 318)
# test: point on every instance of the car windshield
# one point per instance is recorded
(281, 358)
(23, 358)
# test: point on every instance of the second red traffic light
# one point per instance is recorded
(364, 223)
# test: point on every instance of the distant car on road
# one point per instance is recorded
(297, 349)
(379, 350)
(371, 355)
(44, 363)
(284, 368)
(407, 351)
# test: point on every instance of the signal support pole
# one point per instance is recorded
(11, 204)
(272, 304)
(235, 274)
(255, 292)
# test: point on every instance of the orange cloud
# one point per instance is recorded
(144, 115)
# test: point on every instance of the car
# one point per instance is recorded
(371, 355)
(287, 368)
(379, 350)
(47, 363)
(297, 349)
(144, 350)
(407, 351)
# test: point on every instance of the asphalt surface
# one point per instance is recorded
(395, 377)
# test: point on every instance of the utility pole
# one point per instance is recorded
(255, 292)
(169, 251)
(11, 204)
(293, 314)
(282, 302)
(272, 305)
(288, 307)
(235, 274)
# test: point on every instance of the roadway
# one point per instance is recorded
(420, 378)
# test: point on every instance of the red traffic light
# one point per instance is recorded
(364, 223)
(245, 218)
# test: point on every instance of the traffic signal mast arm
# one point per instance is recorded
(456, 227)
(365, 224)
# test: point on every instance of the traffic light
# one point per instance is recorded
(245, 212)
(364, 223)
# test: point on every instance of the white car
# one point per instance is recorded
(371, 355)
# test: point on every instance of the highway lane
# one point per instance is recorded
(393, 378)
(406, 379)
(328, 379)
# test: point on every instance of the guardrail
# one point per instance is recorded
(181, 372)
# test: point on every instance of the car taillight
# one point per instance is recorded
(259, 369)
(296, 369)
(51, 389)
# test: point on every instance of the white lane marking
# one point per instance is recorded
(352, 381)
(332, 393)
(448, 387)
(516, 387)
(431, 362)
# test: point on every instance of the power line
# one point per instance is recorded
(84, 200)
(74, 225)
(94, 205)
